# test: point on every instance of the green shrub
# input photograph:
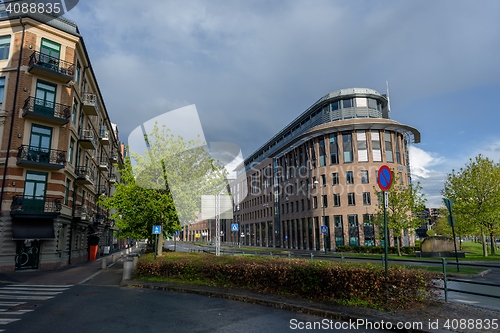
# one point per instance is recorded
(317, 280)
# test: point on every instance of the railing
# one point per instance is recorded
(113, 157)
(91, 99)
(84, 212)
(102, 190)
(41, 155)
(46, 108)
(36, 204)
(112, 178)
(104, 162)
(88, 135)
(52, 63)
(85, 172)
(104, 135)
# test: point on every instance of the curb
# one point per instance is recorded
(284, 305)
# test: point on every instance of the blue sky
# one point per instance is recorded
(252, 66)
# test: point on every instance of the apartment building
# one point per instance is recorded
(321, 171)
(59, 150)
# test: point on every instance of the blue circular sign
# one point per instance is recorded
(384, 178)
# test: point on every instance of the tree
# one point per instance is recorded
(163, 185)
(405, 204)
(475, 191)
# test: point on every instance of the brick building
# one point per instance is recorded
(58, 150)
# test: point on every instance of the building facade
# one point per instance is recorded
(321, 170)
(58, 150)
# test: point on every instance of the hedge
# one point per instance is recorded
(316, 280)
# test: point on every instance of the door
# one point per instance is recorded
(49, 54)
(39, 149)
(27, 254)
(45, 98)
(34, 192)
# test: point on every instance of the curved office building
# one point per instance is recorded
(321, 170)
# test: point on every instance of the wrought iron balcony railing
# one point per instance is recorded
(85, 173)
(44, 108)
(112, 178)
(102, 190)
(88, 139)
(51, 63)
(84, 212)
(35, 204)
(33, 154)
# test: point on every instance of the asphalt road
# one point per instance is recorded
(100, 305)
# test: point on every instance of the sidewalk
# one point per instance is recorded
(69, 275)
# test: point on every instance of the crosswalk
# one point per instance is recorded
(19, 299)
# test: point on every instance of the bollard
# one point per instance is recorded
(103, 263)
(113, 258)
(127, 270)
(134, 261)
(312, 256)
(341, 257)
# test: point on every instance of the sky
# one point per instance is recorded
(252, 66)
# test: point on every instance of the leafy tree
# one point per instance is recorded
(475, 191)
(163, 185)
(405, 204)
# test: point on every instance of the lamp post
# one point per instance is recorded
(323, 212)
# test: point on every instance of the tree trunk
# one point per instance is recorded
(483, 239)
(493, 245)
(399, 246)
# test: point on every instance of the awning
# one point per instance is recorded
(33, 229)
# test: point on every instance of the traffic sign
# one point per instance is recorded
(384, 178)
(324, 229)
(234, 227)
(156, 229)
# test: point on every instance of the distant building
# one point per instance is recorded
(321, 171)
(58, 147)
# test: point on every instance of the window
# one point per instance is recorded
(350, 199)
(362, 148)
(353, 230)
(325, 201)
(50, 49)
(347, 147)
(322, 152)
(388, 147)
(334, 149)
(361, 102)
(302, 203)
(75, 111)
(4, 47)
(2, 88)
(335, 105)
(34, 191)
(349, 177)
(77, 72)
(40, 141)
(71, 150)
(45, 98)
(339, 230)
(315, 202)
(323, 180)
(335, 178)
(372, 103)
(336, 200)
(364, 177)
(347, 103)
(398, 152)
(376, 150)
(366, 199)
(66, 192)
(313, 155)
(368, 230)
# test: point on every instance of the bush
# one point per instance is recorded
(316, 280)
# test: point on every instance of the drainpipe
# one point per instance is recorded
(9, 143)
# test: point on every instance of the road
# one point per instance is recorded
(100, 305)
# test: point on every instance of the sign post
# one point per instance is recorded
(384, 181)
(324, 231)
(451, 221)
(156, 232)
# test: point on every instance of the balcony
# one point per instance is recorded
(90, 104)
(84, 176)
(104, 137)
(102, 190)
(112, 178)
(88, 140)
(84, 212)
(51, 68)
(50, 159)
(113, 158)
(103, 164)
(45, 111)
(29, 204)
